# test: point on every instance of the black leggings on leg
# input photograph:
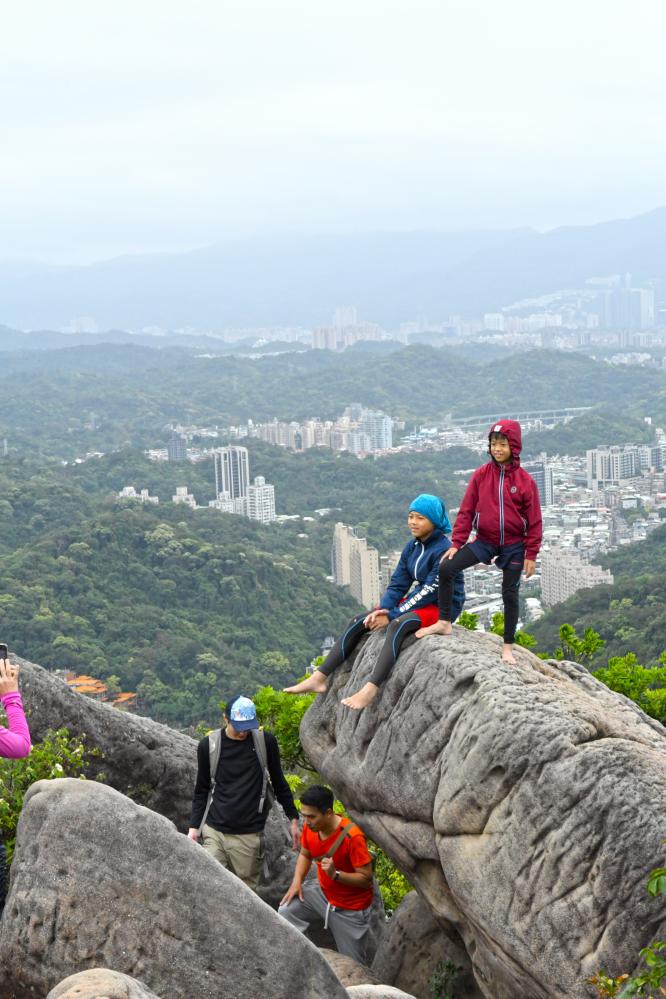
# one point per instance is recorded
(394, 635)
(510, 587)
(465, 559)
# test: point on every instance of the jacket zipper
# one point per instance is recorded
(501, 505)
(418, 560)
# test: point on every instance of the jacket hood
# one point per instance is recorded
(512, 432)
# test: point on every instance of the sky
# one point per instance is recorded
(131, 127)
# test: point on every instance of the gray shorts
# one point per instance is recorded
(348, 926)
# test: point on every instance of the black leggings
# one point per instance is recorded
(465, 559)
(395, 634)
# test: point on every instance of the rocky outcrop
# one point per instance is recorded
(414, 947)
(376, 992)
(525, 803)
(349, 971)
(99, 882)
(150, 763)
(100, 983)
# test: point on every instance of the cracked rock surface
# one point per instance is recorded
(525, 803)
(100, 882)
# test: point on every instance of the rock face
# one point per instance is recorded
(99, 882)
(525, 803)
(100, 983)
(151, 763)
(412, 948)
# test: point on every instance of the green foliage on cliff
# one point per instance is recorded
(57, 755)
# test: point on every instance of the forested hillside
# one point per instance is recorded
(134, 392)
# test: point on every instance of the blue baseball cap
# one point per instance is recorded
(242, 714)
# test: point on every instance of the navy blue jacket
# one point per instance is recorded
(419, 563)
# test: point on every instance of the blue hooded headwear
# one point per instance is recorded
(433, 508)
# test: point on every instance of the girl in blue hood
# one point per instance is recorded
(410, 602)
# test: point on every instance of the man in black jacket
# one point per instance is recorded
(234, 823)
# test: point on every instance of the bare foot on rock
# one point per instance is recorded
(438, 628)
(362, 698)
(507, 654)
(315, 684)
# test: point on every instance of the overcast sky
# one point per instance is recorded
(156, 125)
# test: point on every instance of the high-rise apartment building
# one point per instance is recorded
(610, 465)
(232, 471)
(364, 573)
(379, 428)
(543, 476)
(177, 447)
(356, 564)
(261, 501)
(564, 573)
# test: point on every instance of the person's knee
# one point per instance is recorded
(447, 570)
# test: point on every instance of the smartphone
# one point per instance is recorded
(3, 651)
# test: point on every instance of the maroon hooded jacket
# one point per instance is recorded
(501, 501)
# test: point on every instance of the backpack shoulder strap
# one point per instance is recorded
(259, 740)
(344, 832)
(214, 747)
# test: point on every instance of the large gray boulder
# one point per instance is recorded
(100, 983)
(149, 762)
(98, 881)
(413, 947)
(525, 803)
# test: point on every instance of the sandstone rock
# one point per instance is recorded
(98, 881)
(100, 983)
(377, 992)
(150, 763)
(349, 971)
(412, 947)
(525, 803)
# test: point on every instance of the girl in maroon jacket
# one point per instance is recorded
(502, 505)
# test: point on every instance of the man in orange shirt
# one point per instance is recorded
(342, 895)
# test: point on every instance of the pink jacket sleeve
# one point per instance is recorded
(15, 740)
(535, 528)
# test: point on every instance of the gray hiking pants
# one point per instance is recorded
(348, 926)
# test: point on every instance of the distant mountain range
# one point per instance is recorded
(281, 281)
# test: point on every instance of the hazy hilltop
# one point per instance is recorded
(390, 276)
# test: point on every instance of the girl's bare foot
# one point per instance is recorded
(312, 684)
(507, 654)
(362, 698)
(438, 628)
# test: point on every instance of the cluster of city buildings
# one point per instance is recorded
(234, 492)
(359, 430)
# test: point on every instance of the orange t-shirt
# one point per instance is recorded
(352, 853)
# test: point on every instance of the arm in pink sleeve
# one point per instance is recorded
(15, 740)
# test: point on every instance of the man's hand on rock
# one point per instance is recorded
(295, 834)
(294, 889)
(193, 834)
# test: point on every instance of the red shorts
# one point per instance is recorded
(428, 614)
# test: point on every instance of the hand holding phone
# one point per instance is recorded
(8, 677)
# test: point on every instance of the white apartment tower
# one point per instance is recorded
(564, 573)
(356, 564)
(261, 501)
(232, 471)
